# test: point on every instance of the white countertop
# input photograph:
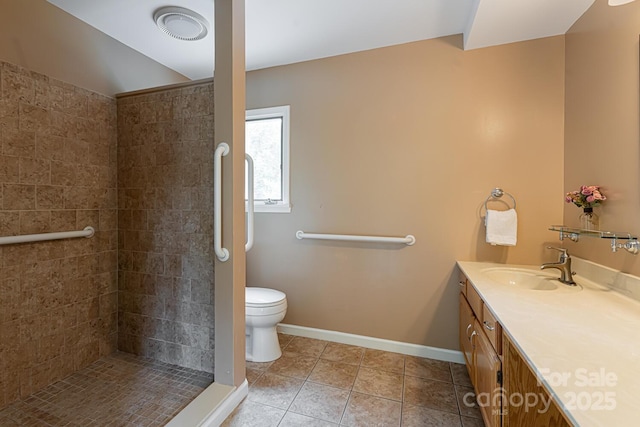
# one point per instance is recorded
(590, 336)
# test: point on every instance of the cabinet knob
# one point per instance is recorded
(488, 326)
(473, 334)
(461, 283)
(468, 327)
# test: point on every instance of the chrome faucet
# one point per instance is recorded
(563, 264)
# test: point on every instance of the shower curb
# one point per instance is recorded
(211, 407)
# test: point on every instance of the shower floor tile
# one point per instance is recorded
(117, 390)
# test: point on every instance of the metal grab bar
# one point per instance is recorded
(407, 240)
(221, 150)
(250, 206)
(27, 238)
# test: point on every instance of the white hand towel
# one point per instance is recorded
(502, 227)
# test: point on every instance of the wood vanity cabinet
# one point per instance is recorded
(480, 337)
(488, 379)
(466, 328)
(519, 380)
(497, 369)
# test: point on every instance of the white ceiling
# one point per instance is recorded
(282, 32)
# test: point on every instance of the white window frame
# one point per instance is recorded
(283, 206)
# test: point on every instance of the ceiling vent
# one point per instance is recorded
(181, 23)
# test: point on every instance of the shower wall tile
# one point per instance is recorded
(19, 197)
(58, 299)
(165, 225)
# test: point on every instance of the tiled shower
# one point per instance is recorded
(139, 170)
(165, 226)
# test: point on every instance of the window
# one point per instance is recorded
(267, 142)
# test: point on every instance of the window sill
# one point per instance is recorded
(279, 208)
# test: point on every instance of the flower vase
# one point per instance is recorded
(589, 220)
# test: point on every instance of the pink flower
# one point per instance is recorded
(587, 197)
(586, 190)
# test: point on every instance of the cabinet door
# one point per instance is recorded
(520, 381)
(488, 381)
(466, 329)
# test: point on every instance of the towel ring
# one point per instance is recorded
(497, 193)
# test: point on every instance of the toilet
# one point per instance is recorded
(264, 309)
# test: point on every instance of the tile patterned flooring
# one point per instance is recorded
(315, 383)
(321, 384)
(118, 390)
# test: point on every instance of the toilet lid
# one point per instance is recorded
(263, 297)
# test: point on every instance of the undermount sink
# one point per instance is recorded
(525, 279)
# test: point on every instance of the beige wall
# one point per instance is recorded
(57, 173)
(408, 140)
(602, 133)
(42, 37)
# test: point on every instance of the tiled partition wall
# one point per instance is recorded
(57, 173)
(165, 221)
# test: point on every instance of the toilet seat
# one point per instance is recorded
(263, 298)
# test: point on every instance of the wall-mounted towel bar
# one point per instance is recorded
(407, 240)
(496, 194)
(28, 238)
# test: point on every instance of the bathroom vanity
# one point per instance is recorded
(542, 353)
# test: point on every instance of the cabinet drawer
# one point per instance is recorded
(492, 328)
(462, 281)
(474, 300)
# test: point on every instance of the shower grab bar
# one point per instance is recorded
(407, 240)
(250, 206)
(221, 150)
(27, 238)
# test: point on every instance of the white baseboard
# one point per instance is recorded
(374, 343)
(211, 407)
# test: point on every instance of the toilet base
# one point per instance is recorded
(262, 344)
